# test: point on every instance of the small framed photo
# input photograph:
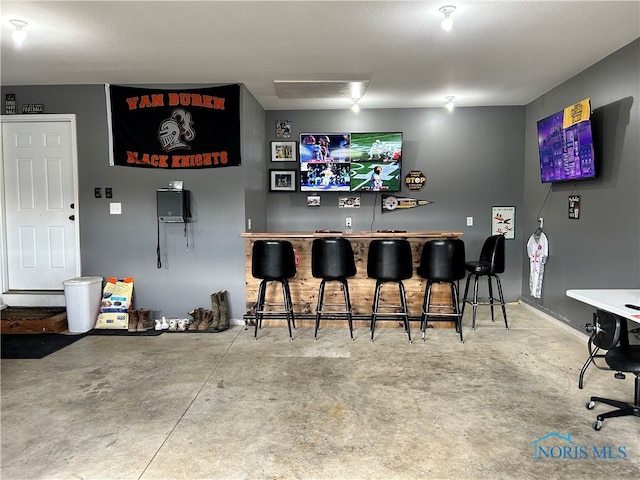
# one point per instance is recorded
(284, 151)
(282, 181)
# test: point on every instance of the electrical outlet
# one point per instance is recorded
(469, 221)
(97, 192)
(115, 208)
(348, 221)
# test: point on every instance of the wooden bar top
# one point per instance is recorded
(364, 234)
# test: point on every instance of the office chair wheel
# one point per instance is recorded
(591, 406)
(597, 425)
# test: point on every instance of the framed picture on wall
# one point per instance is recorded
(503, 221)
(282, 181)
(284, 151)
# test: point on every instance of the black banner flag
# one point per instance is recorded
(176, 128)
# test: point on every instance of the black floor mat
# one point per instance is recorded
(34, 345)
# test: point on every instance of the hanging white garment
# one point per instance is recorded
(538, 252)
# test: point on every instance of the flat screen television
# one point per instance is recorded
(351, 162)
(566, 146)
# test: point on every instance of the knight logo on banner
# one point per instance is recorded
(391, 203)
(171, 129)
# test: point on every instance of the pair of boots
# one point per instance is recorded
(220, 299)
(139, 321)
(201, 319)
(216, 319)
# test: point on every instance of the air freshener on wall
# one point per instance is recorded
(574, 206)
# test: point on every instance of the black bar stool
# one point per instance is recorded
(490, 264)
(273, 261)
(390, 261)
(442, 261)
(332, 260)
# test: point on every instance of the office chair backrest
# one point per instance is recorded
(606, 331)
(493, 253)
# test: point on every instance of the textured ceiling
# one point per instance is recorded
(498, 53)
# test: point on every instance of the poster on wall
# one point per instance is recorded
(349, 202)
(503, 221)
(574, 207)
(174, 128)
(283, 128)
(10, 104)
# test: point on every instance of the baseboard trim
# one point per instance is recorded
(553, 318)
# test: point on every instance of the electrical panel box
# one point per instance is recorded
(173, 205)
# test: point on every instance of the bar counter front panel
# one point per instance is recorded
(304, 287)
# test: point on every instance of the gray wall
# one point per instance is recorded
(601, 249)
(125, 245)
(472, 159)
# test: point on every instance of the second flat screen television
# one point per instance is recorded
(350, 162)
(566, 146)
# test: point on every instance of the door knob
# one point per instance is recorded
(72, 217)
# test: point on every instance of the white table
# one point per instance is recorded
(610, 300)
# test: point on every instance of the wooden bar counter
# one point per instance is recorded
(304, 287)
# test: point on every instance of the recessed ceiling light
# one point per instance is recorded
(19, 34)
(447, 21)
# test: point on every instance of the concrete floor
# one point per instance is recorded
(198, 406)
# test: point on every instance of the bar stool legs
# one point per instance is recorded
(287, 304)
(474, 301)
(403, 305)
(455, 306)
(347, 303)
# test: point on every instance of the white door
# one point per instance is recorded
(40, 203)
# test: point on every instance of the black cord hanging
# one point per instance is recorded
(158, 261)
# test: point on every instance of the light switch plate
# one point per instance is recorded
(469, 221)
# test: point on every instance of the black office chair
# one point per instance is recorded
(390, 261)
(610, 333)
(490, 264)
(332, 260)
(273, 261)
(442, 261)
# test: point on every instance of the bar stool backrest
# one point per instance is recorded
(492, 254)
(273, 259)
(442, 260)
(332, 258)
(390, 260)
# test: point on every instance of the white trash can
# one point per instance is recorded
(82, 296)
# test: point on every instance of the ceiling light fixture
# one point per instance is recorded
(18, 34)
(449, 105)
(355, 107)
(447, 21)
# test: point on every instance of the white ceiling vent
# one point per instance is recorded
(320, 88)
